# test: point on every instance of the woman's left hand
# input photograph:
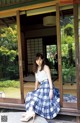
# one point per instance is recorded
(51, 94)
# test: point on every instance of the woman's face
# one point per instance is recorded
(39, 61)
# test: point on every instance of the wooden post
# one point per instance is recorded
(75, 11)
(20, 56)
(59, 51)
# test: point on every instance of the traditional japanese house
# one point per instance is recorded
(51, 27)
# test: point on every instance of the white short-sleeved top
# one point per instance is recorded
(41, 76)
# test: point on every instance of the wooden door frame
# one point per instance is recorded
(75, 12)
(59, 52)
(76, 38)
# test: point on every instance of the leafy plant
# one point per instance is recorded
(9, 53)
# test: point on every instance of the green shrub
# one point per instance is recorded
(10, 83)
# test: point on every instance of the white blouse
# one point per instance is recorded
(41, 76)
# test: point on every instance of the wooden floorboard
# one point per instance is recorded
(67, 87)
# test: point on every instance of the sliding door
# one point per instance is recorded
(69, 51)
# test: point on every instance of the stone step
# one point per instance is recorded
(14, 117)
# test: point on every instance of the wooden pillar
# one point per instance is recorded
(75, 10)
(20, 57)
(59, 51)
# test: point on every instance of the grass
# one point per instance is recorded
(11, 92)
(11, 88)
(10, 83)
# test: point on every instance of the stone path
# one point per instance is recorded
(14, 117)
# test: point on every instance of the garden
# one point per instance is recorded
(9, 68)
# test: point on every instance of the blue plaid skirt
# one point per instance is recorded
(41, 103)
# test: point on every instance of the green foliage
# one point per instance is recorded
(68, 51)
(67, 39)
(68, 30)
(8, 37)
(9, 53)
(69, 74)
(9, 83)
(64, 52)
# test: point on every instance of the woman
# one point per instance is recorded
(44, 100)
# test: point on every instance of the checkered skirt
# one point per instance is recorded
(41, 103)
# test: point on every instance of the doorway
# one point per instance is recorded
(36, 38)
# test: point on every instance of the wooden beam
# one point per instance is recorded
(20, 56)
(10, 100)
(7, 13)
(14, 106)
(12, 12)
(69, 105)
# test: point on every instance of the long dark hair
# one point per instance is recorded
(35, 66)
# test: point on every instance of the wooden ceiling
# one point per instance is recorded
(7, 21)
